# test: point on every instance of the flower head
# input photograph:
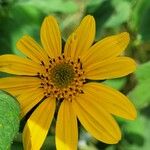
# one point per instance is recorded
(49, 76)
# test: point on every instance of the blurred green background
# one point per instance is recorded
(20, 17)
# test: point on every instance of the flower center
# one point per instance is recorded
(62, 75)
(62, 78)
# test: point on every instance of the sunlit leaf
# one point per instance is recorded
(9, 120)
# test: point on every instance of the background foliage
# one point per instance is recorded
(20, 17)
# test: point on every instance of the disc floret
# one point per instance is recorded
(62, 78)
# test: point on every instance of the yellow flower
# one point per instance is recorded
(50, 76)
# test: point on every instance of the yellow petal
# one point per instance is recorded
(31, 49)
(29, 99)
(51, 37)
(16, 91)
(38, 124)
(113, 68)
(96, 120)
(16, 65)
(110, 99)
(12, 82)
(71, 45)
(82, 38)
(107, 48)
(18, 85)
(66, 128)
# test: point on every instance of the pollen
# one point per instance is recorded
(62, 78)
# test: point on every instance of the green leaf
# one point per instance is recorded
(17, 146)
(109, 15)
(140, 19)
(21, 20)
(47, 6)
(137, 126)
(102, 12)
(49, 143)
(137, 134)
(31, 20)
(140, 94)
(116, 83)
(143, 72)
(9, 119)
(121, 13)
(93, 5)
